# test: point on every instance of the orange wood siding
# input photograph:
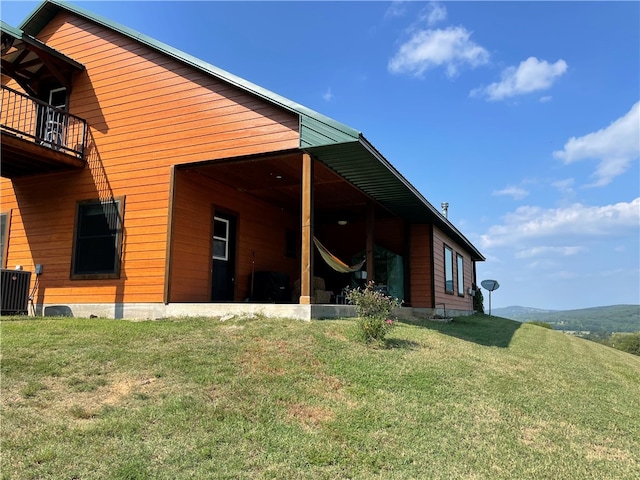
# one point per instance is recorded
(146, 112)
(420, 275)
(261, 229)
(452, 301)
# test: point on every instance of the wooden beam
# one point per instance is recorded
(371, 220)
(170, 229)
(306, 222)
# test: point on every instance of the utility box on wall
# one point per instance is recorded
(15, 292)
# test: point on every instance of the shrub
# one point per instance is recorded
(374, 312)
(627, 342)
(478, 300)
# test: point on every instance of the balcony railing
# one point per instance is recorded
(34, 120)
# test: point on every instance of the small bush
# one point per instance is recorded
(374, 312)
(478, 300)
(627, 342)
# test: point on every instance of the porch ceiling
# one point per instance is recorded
(277, 181)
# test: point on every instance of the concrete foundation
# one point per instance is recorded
(154, 311)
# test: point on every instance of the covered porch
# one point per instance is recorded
(260, 215)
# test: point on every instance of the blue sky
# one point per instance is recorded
(524, 117)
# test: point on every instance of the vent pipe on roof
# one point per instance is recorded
(445, 209)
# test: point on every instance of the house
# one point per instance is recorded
(141, 182)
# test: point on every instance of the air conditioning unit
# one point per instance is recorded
(15, 292)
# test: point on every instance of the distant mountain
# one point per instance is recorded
(613, 318)
(516, 313)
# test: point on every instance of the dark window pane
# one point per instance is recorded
(96, 255)
(460, 275)
(3, 236)
(98, 228)
(220, 229)
(220, 249)
(448, 269)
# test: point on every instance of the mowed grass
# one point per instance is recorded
(481, 397)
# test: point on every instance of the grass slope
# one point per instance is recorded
(481, 397)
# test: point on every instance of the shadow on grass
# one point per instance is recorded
(481, 329)
(401, 343)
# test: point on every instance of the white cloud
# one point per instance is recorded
(396, 9)
(564, 186)
(434, 13)
(327, 96)
(530, 76)
(545, 99)
(615, 146)
(516, 192)
(534, 223)
(450, 48)
(546, 251)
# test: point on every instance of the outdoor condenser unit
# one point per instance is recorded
(15, 292)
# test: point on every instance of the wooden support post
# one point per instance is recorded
(371, 220)
(306, 221)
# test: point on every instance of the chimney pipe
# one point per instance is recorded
(445, 209)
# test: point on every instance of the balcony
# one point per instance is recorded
(38, 138)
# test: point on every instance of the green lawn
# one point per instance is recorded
(478, 398)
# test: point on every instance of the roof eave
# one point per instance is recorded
(437, 217)
(19, 34)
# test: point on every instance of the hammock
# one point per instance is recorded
(334, 262)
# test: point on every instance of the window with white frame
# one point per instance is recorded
(220, 238)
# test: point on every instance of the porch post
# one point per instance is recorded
(371, 220)
(306, 221)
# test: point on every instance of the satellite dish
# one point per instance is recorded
(490, 285)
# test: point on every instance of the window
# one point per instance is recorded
(220, 238)
(97, 239)
(51, 122)
(460, 266)
(58, 98)
(448, 270)
(4, 238)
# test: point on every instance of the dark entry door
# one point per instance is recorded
(224, 258)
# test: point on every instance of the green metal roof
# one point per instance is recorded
(340, 147)
(8, 29)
